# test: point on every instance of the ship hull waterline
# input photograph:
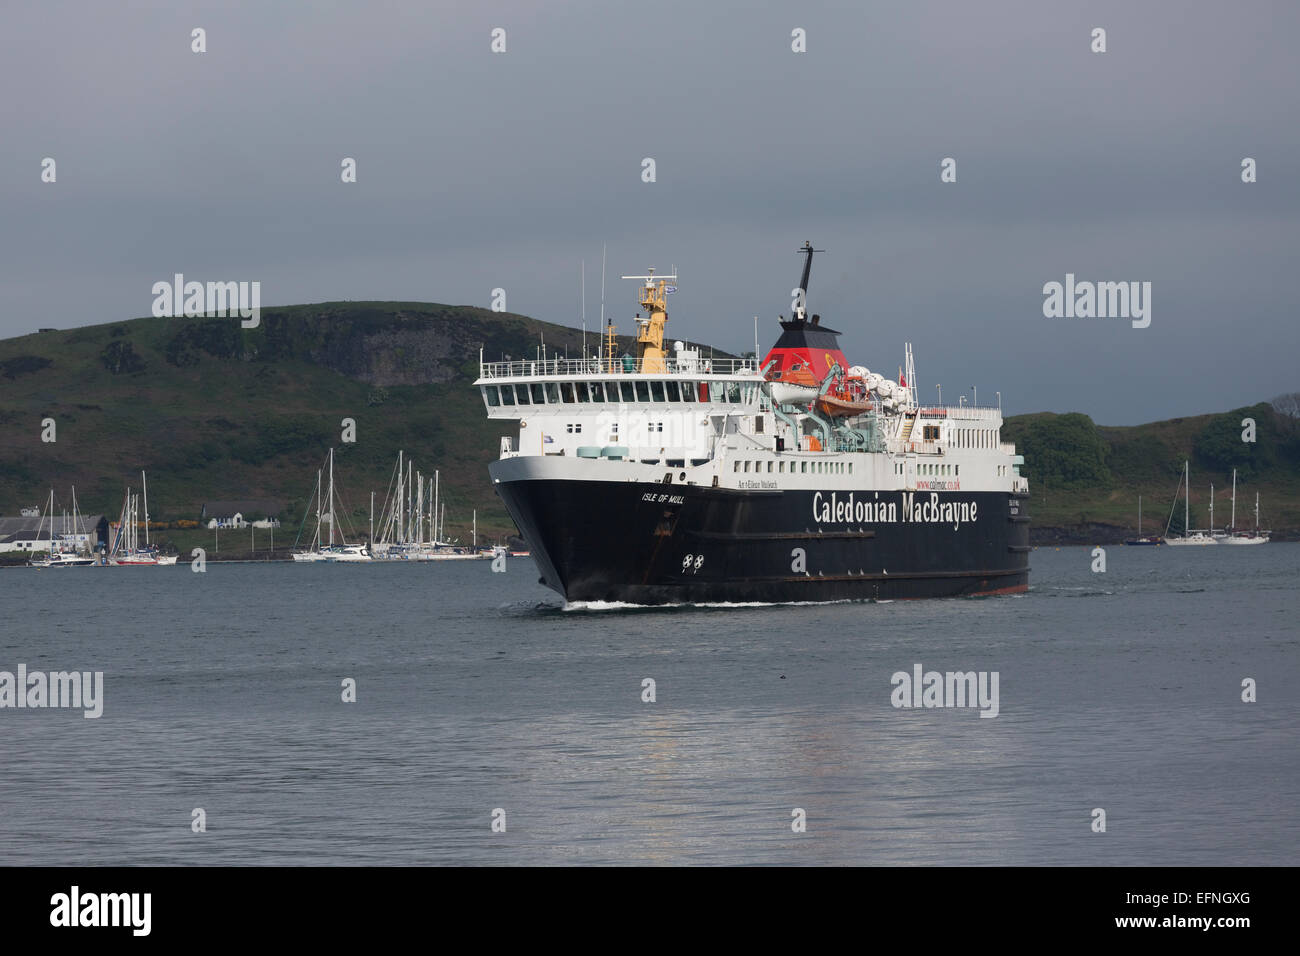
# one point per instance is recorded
(652, 544)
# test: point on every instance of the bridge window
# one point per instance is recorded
(611, 391)
(552, 393)
(625, 392)
(491, 396)
(735, 466)
(642, 392)
(674, 391)
(746, 467)
(688, 391)
(656, 391)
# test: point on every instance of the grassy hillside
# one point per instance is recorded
(213, 411)
(1085, 479)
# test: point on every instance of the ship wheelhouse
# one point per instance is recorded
(614, 409)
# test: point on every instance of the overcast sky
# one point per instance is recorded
(479, 170)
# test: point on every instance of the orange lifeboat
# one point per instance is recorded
(846, 397)
(796, 385)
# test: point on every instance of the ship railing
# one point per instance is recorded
(626, 365)
(962, 412)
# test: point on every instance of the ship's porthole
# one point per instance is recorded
(682, 477)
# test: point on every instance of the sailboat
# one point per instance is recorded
(330, 552)
(1231, 535)
(452, 551)
(127, 551)
(60, 558)
(1140, 539)
(1188, 537)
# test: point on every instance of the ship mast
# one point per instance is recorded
(650, 331)
(802, 309)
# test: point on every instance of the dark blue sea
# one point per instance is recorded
(476, 692)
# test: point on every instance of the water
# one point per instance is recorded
(476, 691)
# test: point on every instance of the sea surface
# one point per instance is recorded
(478, 692)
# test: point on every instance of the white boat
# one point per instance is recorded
(1189, 536)
(346, 552)
(329, 551)
(127, 550)
(406, 515)
(1231, 534)
(61, 557)
(409, 514)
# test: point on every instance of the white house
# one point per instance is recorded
(240, 514)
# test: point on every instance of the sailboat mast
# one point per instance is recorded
(144, 484)
(1187, 500)
(1232, 526)
(475, 529)
(1211, 508)
(436, 537)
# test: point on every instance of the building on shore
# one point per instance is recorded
(259, 513)
(27, 533)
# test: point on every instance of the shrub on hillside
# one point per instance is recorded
(1064, 450)
(119, 357)
(1219, 446)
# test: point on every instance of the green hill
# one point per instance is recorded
(215, 412)
(1085, 479)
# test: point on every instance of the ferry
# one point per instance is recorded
(675, 477)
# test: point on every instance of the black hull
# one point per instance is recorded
(686, 544)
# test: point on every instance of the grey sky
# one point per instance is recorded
(479, 171)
